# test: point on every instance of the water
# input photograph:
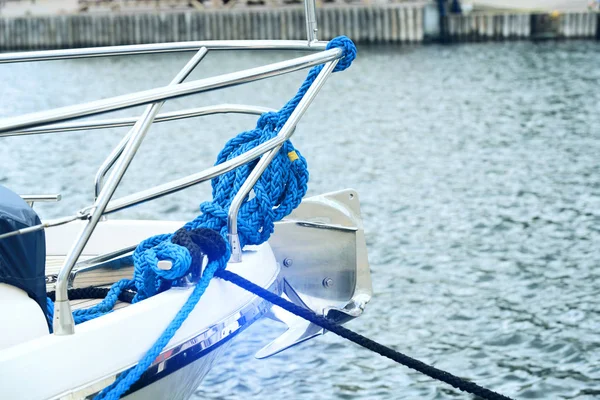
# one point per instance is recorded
(478, 173)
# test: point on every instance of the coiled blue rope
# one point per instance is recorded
(278, 191)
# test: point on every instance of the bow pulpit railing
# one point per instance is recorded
(325, 54)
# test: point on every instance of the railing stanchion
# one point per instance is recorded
(117, 151)
(63, 322)
(310, 10)
(285, 133)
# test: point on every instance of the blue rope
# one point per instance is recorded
(129, 377)
(278, 191)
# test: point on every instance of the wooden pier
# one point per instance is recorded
(384, 23)
(391, 23)
(482, 27)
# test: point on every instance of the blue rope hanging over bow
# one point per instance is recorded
(278, 191)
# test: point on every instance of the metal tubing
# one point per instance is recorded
(285, 133)
(41, 197)
(143, 195)
(63, 323)
(193, 179)
(234, 208)
(310, 11)
(130, 121)
(47, 224)
(164, 93)
(47, 55)
(109, 162)
(105, 257)
(170, 187)
(116, 152)
(31, 199)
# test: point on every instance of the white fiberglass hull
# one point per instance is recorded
(321, 242)
(77, 366)
(181, 384)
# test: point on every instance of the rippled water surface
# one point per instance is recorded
(478, 169)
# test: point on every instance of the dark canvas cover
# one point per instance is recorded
(22, 257)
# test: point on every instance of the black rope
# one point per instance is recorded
(93, 293)
(200, 242)
(367, 343)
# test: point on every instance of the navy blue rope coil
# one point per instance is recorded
(367, 343)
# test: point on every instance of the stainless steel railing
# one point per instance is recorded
(64, 54)
(130, 121)
(59, 120)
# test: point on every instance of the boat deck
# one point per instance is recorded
(97, 278)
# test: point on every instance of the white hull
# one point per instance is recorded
(181, 384)
(75, 366)
(321, 240)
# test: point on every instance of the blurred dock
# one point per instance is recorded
(511, 26)
(74, 23)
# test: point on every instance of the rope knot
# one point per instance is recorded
(179, 257)
(268, 120)
(348, 49)
(200, 242)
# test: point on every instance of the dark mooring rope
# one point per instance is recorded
(367, 343)
(92, 292)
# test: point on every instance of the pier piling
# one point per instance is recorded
(378, 23)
